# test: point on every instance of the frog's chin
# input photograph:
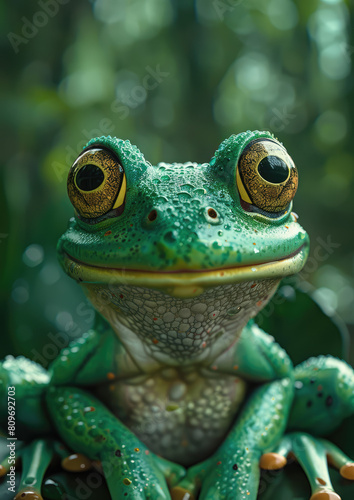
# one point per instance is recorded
(185, 283)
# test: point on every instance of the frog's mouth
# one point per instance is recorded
(185, 283)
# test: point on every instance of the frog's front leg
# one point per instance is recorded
(23, 416)
(324, 396)
(88, 427)
(233, 471)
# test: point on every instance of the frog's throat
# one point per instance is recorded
(185, 283)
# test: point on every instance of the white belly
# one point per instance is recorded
(181, 416)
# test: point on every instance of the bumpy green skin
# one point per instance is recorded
(183, 235)
(170, 373)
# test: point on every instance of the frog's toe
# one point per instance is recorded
(314, 455)
(272, 461)
(338, 459)
(77, 462)
(188, 488)
(325, 495)
(178, 493)
(347, 471)
(35, 458)
(28, 494)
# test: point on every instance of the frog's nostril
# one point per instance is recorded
(152, 215)
(212, 213)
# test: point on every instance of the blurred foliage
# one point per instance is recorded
(175, 78)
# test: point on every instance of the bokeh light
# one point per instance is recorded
(175, 78)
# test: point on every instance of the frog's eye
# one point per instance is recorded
(97, 184)
(266, 177)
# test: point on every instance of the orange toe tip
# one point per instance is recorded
(347, 471)
(76, 463)
(28, 494)
(178, 493)
(3, 471)
(325, 495)
(272, 461)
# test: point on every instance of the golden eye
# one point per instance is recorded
(266, 176)
(97, 184)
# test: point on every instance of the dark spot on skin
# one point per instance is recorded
(118, 453)
(309, 404)
(235, 467)
(212, 213)
(320, 394)
(312, 381)
(152, 215)
(329, 401)
(321, 481)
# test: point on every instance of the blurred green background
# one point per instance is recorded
(176, 78)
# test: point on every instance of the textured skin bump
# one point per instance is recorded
(324, 394)
(181, 328)
(87, 426)
(31, 381)
(183, 417)
(183, 235)
(233, 471)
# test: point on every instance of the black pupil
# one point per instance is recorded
(273, 169)
(89, 177)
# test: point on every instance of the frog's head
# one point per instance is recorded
(180, 233)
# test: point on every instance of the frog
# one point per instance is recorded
(176, 392)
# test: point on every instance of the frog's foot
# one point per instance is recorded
(35, 459)
(313, 455)
(190, 485)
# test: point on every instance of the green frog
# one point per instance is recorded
(176, 392)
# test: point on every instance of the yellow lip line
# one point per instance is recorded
(289, 265)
